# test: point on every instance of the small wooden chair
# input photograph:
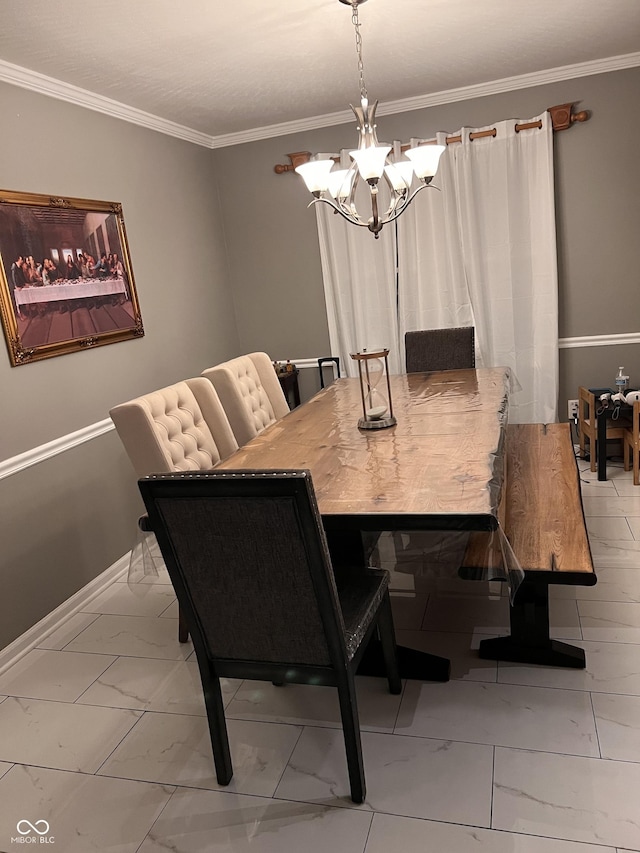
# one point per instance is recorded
(631, 442)
(588, 426)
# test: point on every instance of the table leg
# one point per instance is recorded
(411, 663)
(601, 449)
(351, 548)
(347, 549)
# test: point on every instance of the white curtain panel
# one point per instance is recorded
(484, 253)
(504, 187)
(360, 289)
(432, 283)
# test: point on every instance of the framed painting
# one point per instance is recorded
(66, 281)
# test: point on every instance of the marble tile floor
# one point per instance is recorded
(103, 733)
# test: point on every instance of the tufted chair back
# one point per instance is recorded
(179, 428)
(250, 394)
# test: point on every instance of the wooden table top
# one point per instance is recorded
(441, 465)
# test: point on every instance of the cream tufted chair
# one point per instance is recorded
(179, 428)
(250, 393)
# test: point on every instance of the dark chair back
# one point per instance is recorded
(440, 349)
(248, 558)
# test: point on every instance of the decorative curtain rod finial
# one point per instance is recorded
(297, 159)
(562, 116)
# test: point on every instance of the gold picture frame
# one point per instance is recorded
(66, 281)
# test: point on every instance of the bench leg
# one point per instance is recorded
(529, 641)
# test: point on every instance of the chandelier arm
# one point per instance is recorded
(397, 199)
(396, 206)
(349, 212)
(356, 219)
(349, 217)
(347, 204)
(410, 198)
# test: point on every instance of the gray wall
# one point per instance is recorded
(278, 282)
(67, 519)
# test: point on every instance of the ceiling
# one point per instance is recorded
(224, 68)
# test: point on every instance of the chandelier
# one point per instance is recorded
(371, 164)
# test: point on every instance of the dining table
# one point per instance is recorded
(440, 467)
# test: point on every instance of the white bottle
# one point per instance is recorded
(622, 381)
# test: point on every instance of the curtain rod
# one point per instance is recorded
(562, 118)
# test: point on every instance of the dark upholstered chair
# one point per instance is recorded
(247, 555)
(440, 349)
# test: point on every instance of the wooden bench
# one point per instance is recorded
(543, 518)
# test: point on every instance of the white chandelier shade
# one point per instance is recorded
(425, 159)
(371, 161)
(315, 174)
(339, 185)
(400, 174)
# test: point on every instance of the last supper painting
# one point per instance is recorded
(66, 279)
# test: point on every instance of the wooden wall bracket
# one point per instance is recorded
(296, 159)
(562, 116)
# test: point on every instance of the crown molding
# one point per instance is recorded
(269, 131)
(449, 96)
(509, 84)
(35, 82)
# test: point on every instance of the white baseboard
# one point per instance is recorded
(12, 653)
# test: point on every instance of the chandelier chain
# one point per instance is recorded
(356, 25)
